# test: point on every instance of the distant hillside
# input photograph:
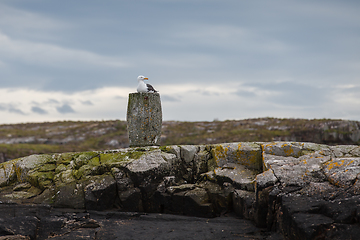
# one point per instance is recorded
(17, 140)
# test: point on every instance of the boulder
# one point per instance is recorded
(69, 195)
(244, 203)
(238, 175)
(7, 173)
(101, 193)
(342, 172)
(246, 154)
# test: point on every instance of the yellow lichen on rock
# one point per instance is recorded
(330, 165)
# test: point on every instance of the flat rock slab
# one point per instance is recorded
(74, 224)
(238, 175)
(162, 226)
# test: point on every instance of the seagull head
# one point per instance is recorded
(142, 78)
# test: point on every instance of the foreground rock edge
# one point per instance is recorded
(256, 180)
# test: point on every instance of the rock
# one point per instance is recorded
(72, 224)
(101, 193)
(237, 175)
(172, 149)
(307, 226)
(150, 164)
(3, 178)
(291, 171)
(69, 195)
(301, 190)
(342, 172)
(26, 194)
(30, 163)
(343, 150)
(120, 158)
(187, 152)
(23, 226)
(7, 173)
(201, 162)
(265, 179)
(247, 154)
(220, 196)
(342, 231)
(197, 203)
(285, 149)
(131, 200)
(148, 171)
(343, 210)
(243, 203)
(14, 237)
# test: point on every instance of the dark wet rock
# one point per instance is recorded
(131, 200)
(24, 225)
(244, 203)
(42, 222)
(70, 195)
(101, 193)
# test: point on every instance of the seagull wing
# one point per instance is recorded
(150, 88)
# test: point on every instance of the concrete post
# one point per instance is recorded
(144, 119)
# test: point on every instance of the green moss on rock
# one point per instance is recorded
(47, 168)
(87, 170)
(119, 159)
(65, 158)
(41, 180)
(86, 157)
(60, 168)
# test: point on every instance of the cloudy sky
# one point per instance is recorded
(209, 59)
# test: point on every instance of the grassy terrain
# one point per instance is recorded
(17, 140)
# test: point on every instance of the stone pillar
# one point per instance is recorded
(144, 119)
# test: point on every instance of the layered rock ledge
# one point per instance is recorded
(299, 190)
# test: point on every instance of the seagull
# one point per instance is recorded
(144, 87)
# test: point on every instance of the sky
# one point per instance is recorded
(209, 59)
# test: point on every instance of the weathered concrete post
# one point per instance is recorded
(144, 119)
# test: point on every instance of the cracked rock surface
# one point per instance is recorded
(290, 190)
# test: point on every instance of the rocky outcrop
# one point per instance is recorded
(300, 190)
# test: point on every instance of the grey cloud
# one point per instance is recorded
(65, 108)
(15, 110)
(38, 110)
(352, 90)
(206, 92)
(10, 108)
(244, 93)
(52, 101)
(168, 98)
(2, 107)
(292, 93)
(88, 103)
(239, 47)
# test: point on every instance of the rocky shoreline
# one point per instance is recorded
(291, 190)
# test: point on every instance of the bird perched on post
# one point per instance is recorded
(144, 87)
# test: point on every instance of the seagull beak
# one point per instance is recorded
(146, 79)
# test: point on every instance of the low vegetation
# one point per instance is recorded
(17, 140)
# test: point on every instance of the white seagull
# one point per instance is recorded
(144, 87)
